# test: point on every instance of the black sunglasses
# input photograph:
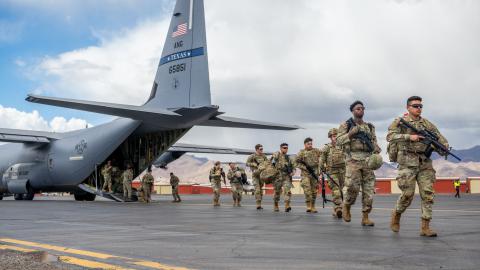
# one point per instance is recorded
(417, 106)
(285, 147)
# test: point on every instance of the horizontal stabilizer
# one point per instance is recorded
(26, 136)
(126, 111)
(233, 122)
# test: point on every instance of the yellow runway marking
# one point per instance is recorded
(15, 248)
(83, 262)
(156, 265)
(89, 264)
(58, 248)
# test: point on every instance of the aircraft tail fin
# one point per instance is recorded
(182, 79)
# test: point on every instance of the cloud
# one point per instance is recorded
(13, 118)
(301, 62)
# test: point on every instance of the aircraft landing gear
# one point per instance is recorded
(1, 197)
(18, 197)
(29, 195)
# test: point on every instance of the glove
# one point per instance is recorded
(354, 130)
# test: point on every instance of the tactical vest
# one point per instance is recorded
(335, 157)
(357, 145)
(406, 152)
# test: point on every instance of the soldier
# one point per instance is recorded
(332, 161)
(235, 175)
(358, 141)
(107, 177)
(147, 185)
(414, 166)
(127, 177)
(253, 161)
(281, 161)
(216, 175)
(174, 181)
(309, 156)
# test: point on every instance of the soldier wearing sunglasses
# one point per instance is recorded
(407, 149)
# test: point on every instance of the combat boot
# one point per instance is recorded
(338, 212)
(395, 222)
(275, 207)
(426, 229)
(309, 207)
(312, 207)
(287, 206)
(346, 213)
(259, 205)
(366, 221)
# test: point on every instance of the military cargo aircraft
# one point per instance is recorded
(34, 161)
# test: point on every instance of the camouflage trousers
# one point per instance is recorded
(339, 178)
(424, 176)
(237, 190)
(310, 188)
(147, 192)
(282, 181)
(359, 176)
(216, 186)
(175, 195)
(107, 184)
(127, 189)
(258, 183)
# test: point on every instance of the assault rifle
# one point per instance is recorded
(431, 140)
(361, 135)
(313, 174)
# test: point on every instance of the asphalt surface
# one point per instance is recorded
(195, 235)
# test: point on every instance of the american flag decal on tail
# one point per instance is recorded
(180, 30)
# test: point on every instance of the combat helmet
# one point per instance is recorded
(375, 161)
(332, 132)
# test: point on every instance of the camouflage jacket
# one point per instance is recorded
(233, 178)
(217, 174)
(283, 163)
(174, 180)
(354, 148)
(127, 175)
(254, 160)
(147, 179)
(408, 151)
(107, 170)
(332, 158)
(311, 158)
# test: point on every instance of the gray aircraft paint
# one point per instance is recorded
(46, 161)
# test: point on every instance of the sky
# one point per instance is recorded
(299, 62)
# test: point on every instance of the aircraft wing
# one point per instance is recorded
(27, 136)
(126, 111)
(233, 122)
(194, 148)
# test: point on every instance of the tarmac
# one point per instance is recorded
(194, 235)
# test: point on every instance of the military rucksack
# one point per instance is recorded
(268, 173)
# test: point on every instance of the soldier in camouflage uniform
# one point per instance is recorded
(127, 177)
(358, 173)
(235, 175)
(216, 175)
(311, 157)
(147, 185)
(332, 161)
(253, 161)
(174, 181)
(281, 161)
(107, 177)
(407, 149)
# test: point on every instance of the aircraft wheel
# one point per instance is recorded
(18, 197)
(29, 196)
(90, 197)
(1, 197)
(79, 197)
